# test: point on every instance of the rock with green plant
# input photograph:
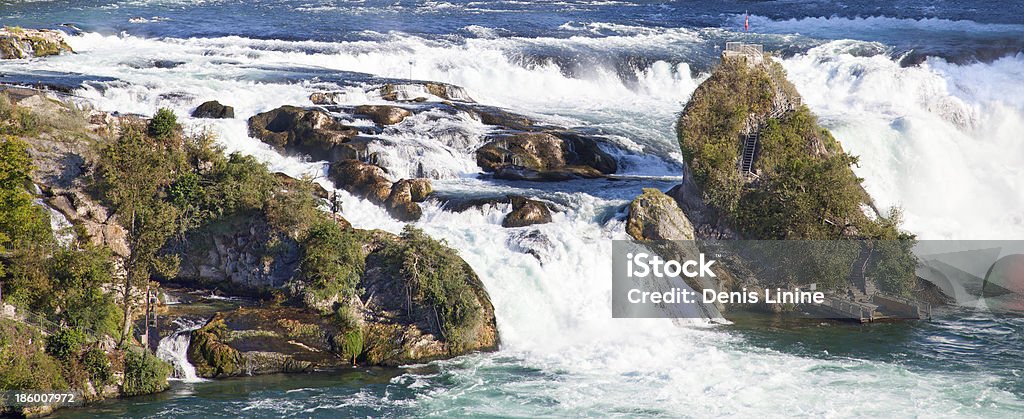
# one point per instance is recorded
(17, 43)
(800, 184)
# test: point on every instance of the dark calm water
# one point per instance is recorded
(930, 95)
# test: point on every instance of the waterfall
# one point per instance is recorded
(174, 349)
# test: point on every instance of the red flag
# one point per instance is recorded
(746, 23)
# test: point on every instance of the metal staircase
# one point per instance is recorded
(746, 165)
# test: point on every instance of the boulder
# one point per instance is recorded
(656, 216)
(420, 188)
(18, 43)
(306, 131)
(214, 110)
(383, 114)
(544, 156)
(526, 212)
(402, 203)
(361, 179)
(403, 327)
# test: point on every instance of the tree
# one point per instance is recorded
(163, 125)
(135, 172)
(25, 234)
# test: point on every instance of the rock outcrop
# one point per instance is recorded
(214, 110)
(18, 43)
(389, 323)
(365, 180)
(243, 255)
(526, 212)
(383, 114)
(253, 341)
(656, 216)
(307, 131)
(544, 156)
(93, 219)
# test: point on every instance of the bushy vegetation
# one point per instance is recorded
(65, 344)
(332, 261)
(806, 188)
(24, 362)
(144, 373)
(163, 125)
(15, 120)
(349, 342)
(97, 365)
(439, 278)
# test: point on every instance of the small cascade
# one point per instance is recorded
(58, 223)
(174, 349)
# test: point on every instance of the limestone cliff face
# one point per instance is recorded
(239, 253)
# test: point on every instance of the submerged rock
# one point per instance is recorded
(412, 91)
(383, 114)
(307, 131)
(18, 43)
(214, 110)
(526, 212)
(532, 242)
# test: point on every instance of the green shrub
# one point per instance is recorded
(350, 341)
(332, 261)
(24, 364)
(440, 279)
(163, 125)
(65, 343)
(15, 120)
(97, 364)
(144, 373)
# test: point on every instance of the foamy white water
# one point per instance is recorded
(941, 141)
(174, 350)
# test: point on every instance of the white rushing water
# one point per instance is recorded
(174, 350)
(941, 148)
